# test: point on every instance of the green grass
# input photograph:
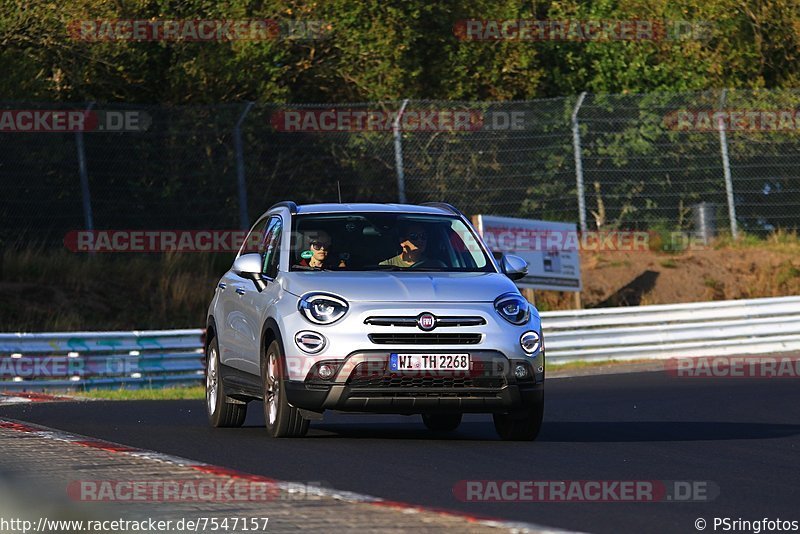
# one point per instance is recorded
(588, 364)
(779, 240)
(177, 393)
(669, 264)
(786, 272)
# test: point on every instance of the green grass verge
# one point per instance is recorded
(199, 392)
(583, 364)
(177, 393)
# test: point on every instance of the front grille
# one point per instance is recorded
(412, 321)
(425, 339)
(425, 382)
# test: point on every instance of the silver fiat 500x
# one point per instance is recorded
(382, 308)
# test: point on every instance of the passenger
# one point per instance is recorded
(316, 253)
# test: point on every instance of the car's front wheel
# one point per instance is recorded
(442, 422)
(521, 425)
(222, 411)
(283, 420)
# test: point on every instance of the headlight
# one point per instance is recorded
(513, 308)
(320, 308)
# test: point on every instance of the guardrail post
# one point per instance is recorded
(244, 219)
(576, 143)
(88, 219)
(398, 154)
(726, 167)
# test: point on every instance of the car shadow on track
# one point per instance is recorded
(645, 431)
(568, 432)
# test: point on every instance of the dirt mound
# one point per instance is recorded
(641, 278)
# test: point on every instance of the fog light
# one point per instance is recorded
(310, 342)
(521, 371)
(529, 341)
(325, 371)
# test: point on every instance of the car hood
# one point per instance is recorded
(401, 286)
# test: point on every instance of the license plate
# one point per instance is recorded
(430, 362)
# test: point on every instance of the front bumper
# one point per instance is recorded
(363, 383)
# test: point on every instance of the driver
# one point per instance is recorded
(414, 242)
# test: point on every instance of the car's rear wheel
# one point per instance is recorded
(522, 425)
(282, 419)
(441, 422)
(222, 410)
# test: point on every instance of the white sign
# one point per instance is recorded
(549, 248)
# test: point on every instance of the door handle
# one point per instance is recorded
(222, 285)
(240, 291)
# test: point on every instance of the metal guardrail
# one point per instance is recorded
(95, 360)
(157, 358)
(753, 326)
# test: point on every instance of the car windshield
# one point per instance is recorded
(385, 242)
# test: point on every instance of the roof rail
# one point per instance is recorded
(286, 204)
(444, 206)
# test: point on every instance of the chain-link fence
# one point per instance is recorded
(603, 161)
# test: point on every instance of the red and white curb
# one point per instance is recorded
(23, 397)
(292, 487)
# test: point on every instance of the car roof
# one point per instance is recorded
(372, 207)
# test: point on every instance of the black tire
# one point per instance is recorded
(286, 421)
(223, 412)
(523, 425)
(446, 422)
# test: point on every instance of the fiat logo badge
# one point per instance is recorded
(426, 321)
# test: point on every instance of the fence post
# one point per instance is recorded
(88, 219)
(244, 220)
(576, 143)
(398, 154)
(726, 166)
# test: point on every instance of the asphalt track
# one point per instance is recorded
(741, 434)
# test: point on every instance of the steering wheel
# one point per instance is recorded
(429, 263)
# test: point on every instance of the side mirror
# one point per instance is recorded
(249, 266)
(514, 267)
